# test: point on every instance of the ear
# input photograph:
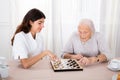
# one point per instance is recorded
(30, 22)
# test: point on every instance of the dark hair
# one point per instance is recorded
(32, 15)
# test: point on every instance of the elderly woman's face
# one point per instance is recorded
(84, 32)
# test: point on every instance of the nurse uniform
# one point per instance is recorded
(26, 46)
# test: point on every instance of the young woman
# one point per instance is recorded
(27, 42)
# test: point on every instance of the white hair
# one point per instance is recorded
(89, 23)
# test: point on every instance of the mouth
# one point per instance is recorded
(40, 29)
(83, 39)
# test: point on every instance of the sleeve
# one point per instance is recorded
(19, 49)
(68, 48)
(103, 45)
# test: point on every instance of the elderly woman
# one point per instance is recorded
(86, 45)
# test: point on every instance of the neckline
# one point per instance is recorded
(30, 34)
(84, 43)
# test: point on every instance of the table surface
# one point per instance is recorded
(42, 70)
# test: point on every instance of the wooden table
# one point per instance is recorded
(42, 70)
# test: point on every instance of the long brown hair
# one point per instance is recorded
(32, 15)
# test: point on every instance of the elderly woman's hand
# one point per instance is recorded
(87, 61)
(84, 61)
(77, 56)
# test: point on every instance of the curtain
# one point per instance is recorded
(110, 17)
(72, 11)
(63, 16)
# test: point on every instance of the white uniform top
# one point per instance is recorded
(94, 46)
(26, 46)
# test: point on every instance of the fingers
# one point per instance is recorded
(84, 61)
(77, 56)
(54, 57)
(51, 55)
(80, 56)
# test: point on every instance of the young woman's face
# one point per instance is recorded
(37, 25)
(84, 32)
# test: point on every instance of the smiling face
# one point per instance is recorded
(37, 25)
(84, 32)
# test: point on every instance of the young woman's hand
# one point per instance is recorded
(51, 55)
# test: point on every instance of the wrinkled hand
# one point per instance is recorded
(87, 61)
(84, 61)
(77, 56)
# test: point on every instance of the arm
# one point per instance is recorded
(67, 55)
(99, 59)
(91, 60)
(103, 48)
(19, 51)
(28, 62)
(72, 56)
(68, 50)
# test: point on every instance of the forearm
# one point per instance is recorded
(93, 60)
(26, 63)
(100, 58)
(68, 56)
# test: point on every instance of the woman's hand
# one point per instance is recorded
(77, 56)
(51, 55)
(84, 61)
(102, 57)
(87, 61)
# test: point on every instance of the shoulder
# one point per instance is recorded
(98, 35)
(19, 39)
(20, 35)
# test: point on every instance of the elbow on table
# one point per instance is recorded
(25, 66)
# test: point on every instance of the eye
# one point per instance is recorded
(39, 23)
(80, 32)
(86, 32)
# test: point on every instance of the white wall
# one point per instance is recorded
(5, 28)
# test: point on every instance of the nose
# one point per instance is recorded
(42, 25)
(82, 34)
